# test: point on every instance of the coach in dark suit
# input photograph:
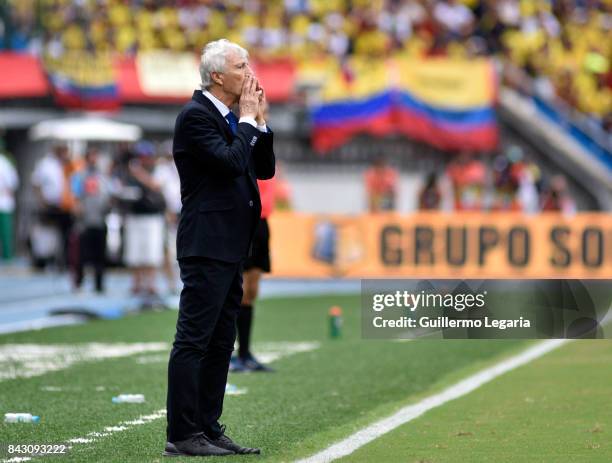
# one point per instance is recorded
(219, 157)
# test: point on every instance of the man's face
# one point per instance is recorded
(236, 70)
(148, 161)
(92, 158)
(61, 152)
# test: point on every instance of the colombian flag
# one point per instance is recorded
(446, 103)
(70, 94)
(83, 81)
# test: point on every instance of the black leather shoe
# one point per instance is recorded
(196, 446)
(225, 442)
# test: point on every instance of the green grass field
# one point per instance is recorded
(550, 409)
(555, 409)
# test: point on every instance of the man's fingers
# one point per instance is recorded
(249, 100)
(246, 91)
(245, 84)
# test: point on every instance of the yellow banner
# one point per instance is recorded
(435, 244)
(82, 68)
(439, 82)
(448, 83)
(165, 73)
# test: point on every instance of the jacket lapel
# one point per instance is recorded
(200, 98)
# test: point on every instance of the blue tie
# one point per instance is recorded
(233, 122)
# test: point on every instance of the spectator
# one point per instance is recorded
(166, 175)
(454, 17)
(468, 176)
(529, 184)
(51, 182)
(505, 185)
(9, 182)
(430, 197)
(557, 197)
(92, 191)
(381, 183)
(144, 223)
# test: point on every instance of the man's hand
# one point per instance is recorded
(249, 100)
(263, 107)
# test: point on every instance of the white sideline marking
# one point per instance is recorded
(155, 358)
(109, 430)
(55, 357)
(359, 439)
(266, 352)
(69, 389)
(27, 360)
(51, 389)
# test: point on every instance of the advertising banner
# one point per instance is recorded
(442, 245)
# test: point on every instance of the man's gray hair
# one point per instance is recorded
(213, 59)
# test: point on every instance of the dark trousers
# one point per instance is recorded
(92, 250)
(203, 344)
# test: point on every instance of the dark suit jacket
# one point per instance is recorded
(218, 173)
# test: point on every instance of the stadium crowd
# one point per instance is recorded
(561, 47)
(509, 181)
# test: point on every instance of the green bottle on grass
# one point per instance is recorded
(335, 321)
